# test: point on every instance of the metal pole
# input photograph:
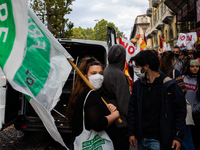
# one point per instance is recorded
(96, 31)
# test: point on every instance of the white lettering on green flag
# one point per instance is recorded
(7, 30)
(36, 63)
(33, 61)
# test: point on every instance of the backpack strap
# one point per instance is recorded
(174, 74)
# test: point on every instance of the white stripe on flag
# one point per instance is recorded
(51, 88)
(47, 120)
(16, 57)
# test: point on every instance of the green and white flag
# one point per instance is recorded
(33, 61)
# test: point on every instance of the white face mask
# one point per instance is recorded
(96, 80)
(138, 72)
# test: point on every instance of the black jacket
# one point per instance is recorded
(172, 115)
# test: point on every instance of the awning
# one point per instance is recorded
(175, 5)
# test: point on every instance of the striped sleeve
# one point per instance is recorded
(180, 82)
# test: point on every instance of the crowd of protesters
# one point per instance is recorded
(183, 67)
(155, 114)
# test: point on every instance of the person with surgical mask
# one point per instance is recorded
(98, 116)
(157, 106)
(177, 63)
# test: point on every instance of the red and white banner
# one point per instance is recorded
(130, 52)
(130, 48)
(181, 40)
(187, 41)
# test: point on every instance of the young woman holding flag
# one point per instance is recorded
(98, 116)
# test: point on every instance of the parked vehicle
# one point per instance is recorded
(18, 111)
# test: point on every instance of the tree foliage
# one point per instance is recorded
(80, 33)
(99, 33)
(76, 34)
(100, 30)
(53, 12)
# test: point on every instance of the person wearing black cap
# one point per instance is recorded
(115, 89)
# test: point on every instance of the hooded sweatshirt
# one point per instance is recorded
(191, 95)
(115, 86)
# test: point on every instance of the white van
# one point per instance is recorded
(15, 108)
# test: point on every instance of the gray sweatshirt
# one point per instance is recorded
(191, 96)
(116, 83)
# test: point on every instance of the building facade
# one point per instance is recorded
(143, 21)
(162, 22)
(187, 14)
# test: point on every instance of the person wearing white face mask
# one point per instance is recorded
(98, 116)
(140, 72)
(96, 80)
(157, 107)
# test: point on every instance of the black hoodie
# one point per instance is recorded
(116, 83)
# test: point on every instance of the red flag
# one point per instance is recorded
(161, 44)
(143, 45)
(162, 41)
(130, 80)
(145, 39)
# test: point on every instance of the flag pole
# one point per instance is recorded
(87, 82)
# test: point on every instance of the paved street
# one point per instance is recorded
(12, 139)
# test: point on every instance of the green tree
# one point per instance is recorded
(53, 12)
(76, 34)
(100, 30)
(80, 33)
(89, 34)
(118, 33)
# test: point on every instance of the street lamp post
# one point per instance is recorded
(48, 14)
(42, 16)
(96, 27)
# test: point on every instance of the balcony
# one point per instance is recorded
(148, 34)
(155, 3)
(149, 12)
(154, 31)
(167, 17)
(159, 25)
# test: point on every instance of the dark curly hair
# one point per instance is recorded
(149, 57)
